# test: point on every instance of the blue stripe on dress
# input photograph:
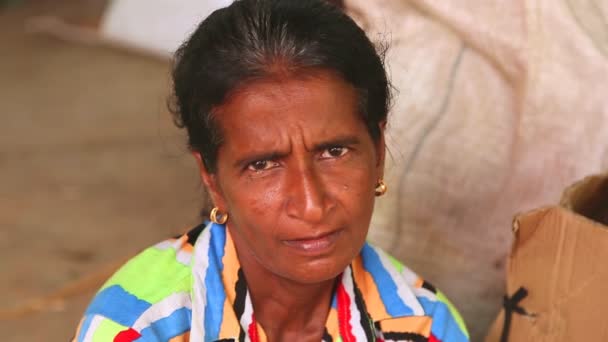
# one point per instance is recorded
(444, 326)
(334, 300)
(384, 282)
(117, 305)
(213, 282)
(166, 328)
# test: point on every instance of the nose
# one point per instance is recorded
(307, 198)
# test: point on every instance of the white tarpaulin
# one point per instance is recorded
(156, 26)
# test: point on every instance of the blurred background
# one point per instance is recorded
(499, 106)
(92, 168)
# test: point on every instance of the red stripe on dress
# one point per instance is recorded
(128, 335)
(432, 338)
(346, 330)
(253, 330)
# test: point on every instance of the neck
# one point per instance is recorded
(287, 310)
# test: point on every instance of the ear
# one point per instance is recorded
(211, 183)
(381, 150)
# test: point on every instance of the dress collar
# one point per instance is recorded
(222, 309)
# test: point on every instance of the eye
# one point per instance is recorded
(334, 152)
(261, 165)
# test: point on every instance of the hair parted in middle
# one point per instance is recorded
(257, 39)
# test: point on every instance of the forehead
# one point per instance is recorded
(315, 103)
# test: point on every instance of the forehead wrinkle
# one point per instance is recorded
(255, 139)
(273, 97)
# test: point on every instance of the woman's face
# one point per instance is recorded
(296, 172)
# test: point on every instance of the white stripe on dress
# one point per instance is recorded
(410, 277)
(405, 293)
(421, 292)
(246, 317)
(182, 256)
(199, 292)
(162, 309)
(355, 315)
(95, 322)
(164, 245)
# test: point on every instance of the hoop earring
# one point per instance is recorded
(381, 188)
(216, 217)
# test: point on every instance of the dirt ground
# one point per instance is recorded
(92, 169)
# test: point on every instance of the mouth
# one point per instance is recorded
(315, 244)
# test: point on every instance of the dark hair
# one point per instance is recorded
(254, 39)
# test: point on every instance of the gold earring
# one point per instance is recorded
(381, 188)
(217, 217)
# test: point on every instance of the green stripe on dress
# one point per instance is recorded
(107, 330)
(399, 266)
(152, 275)
(442, 298)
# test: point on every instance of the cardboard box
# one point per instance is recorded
(560, 258)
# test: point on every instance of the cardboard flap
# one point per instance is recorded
(559, 257)
(588, 197)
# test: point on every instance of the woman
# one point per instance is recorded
(285, 105)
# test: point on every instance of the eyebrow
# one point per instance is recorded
(348, 140)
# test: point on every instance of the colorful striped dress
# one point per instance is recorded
(192, 289)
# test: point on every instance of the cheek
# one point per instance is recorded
(354, 195)
(254, 204)
(358, 181)
(260, 196)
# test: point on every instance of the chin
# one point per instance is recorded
(313, 279)
(317, 272)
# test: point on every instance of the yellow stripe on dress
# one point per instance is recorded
(369, 291)
(185, 337)
(412, 324)
(332, 324)
(230, 326)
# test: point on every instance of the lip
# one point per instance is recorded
(315, 245)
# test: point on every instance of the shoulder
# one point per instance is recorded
(404, 293)
(149, 295)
